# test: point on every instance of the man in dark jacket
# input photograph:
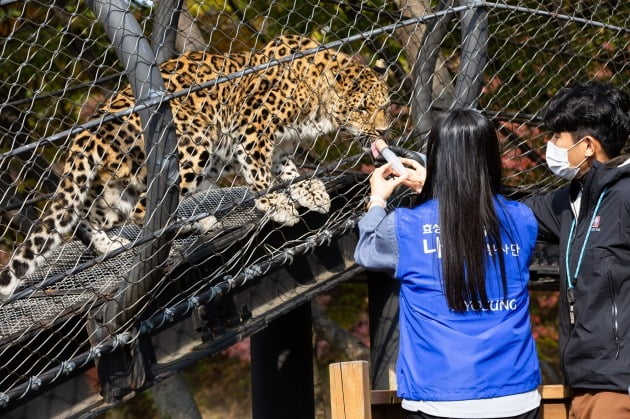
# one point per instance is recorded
(590, 220)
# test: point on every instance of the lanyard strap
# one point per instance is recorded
(570, 282)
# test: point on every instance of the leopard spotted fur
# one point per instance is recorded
(251, 124)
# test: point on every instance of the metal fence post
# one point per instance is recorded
(282, 367)
(474, 54)
(131, 370)
(384, 329)
(424, 70)
(165, 27)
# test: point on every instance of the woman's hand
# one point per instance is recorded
(384, 180)
(416, 175)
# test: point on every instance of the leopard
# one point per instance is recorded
(250, 126)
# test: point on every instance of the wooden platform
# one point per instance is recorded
(351, 397)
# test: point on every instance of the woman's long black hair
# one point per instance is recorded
(463, 175)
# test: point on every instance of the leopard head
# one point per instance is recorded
(360, 104)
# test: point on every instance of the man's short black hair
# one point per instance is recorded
(594, 109)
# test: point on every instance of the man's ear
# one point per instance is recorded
(594, 148)
(591, 145)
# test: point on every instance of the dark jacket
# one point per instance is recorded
(595, 351)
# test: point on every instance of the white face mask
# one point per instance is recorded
(558, 160)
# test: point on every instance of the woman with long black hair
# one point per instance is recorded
(462, 257)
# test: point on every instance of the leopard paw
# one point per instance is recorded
(102, 244)
(312, 195)
(279, 207)
(206, 224)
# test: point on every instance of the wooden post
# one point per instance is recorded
(556, 400)
(351, 397)
(350, 390)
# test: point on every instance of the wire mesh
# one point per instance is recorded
(59, 73)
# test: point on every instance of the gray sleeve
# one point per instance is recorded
(377, 249)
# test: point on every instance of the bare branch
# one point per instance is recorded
(341, 339)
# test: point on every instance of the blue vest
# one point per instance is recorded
(446, 355)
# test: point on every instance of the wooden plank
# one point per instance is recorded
(556, 401)
(351, 397)
(385, 397)
(350, 390)
(554, 411)
(555, 391)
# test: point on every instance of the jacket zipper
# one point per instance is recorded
(615, 325)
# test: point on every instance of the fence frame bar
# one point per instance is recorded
(121, 372)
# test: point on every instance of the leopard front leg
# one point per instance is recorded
(255, 167)
(106, 207)
(97, 239)
(309, 193)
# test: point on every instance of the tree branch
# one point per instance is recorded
(351, 347)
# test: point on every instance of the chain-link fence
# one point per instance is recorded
(132, 197)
